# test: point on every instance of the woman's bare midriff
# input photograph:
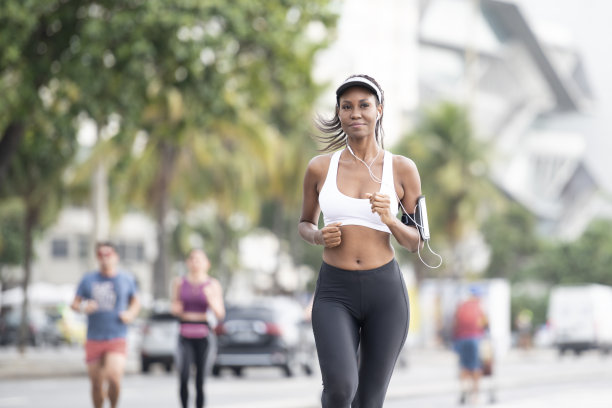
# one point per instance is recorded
(361, 248)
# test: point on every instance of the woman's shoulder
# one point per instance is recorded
(178, 280)
(403, 163)
(213, 283)
(319, 163)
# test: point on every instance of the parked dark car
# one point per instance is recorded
(159, 341)
(265, 333)
(41, 329)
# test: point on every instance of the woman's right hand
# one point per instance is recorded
(331, 235)
(176, 308)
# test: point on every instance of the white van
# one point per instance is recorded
(580, 317)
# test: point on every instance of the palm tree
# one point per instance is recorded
(209, 89)
(453, 166)
(34, 177)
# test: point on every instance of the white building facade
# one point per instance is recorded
(527, 94)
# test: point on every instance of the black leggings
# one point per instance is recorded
(366, 310)
(192, 352)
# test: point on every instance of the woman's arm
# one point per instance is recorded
(176, 306)
(330, 235)
(214, 294)
(406, 173)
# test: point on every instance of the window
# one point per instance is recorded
(131, 251)
(59, 248)
(83, 246)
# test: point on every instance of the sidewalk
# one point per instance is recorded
(70, 361)
(46, 362)
(434, 370)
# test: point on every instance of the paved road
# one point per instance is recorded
(539, 379)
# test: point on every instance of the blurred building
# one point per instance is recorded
(66, 250)
(378, 39)
(529, 95)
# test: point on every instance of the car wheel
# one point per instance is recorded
(237, 371)
(288, 371)
(293, 365)
(216, 371)
(307, 368)
(145, 365)
(168, 367)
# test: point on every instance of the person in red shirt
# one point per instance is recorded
(470, 324)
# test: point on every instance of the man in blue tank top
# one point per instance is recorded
(109, 298)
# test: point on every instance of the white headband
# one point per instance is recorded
(358, 81)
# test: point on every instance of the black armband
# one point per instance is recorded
(408, 219)
(418, 219)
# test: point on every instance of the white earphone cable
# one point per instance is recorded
(381, 182)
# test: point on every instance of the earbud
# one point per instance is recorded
(378, 116)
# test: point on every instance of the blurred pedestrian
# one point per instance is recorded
(524, 326)
(192, 297)
(109, 298)
(470, 323)
(361, 302)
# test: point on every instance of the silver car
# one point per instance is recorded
(159, 341)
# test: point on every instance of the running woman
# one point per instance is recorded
(360, 302)
(192, 297)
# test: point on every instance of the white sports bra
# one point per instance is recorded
(338, 207)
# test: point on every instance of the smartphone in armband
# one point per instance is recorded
(420, 216)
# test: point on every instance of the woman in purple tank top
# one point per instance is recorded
(192, 297)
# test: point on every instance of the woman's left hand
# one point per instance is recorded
(381, 204)
(213, 290)
(214, 294)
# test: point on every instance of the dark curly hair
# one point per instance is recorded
(334, 137)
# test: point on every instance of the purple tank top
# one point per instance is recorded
(194, 300)
(193, 297)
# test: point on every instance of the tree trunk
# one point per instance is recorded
(161, 203)
(31, 217)
(277, 230)
(99, 207)
(9, 144)
(99, 203)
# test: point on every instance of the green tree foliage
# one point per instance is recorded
(453, 168)
(214, 93)
(210, 97)
(513, 241)
(11, 233)
(34, 177)
(35, 41)
(538, 305)
(585, 260)
(36, 135)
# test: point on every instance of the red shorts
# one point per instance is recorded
(95, 349)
